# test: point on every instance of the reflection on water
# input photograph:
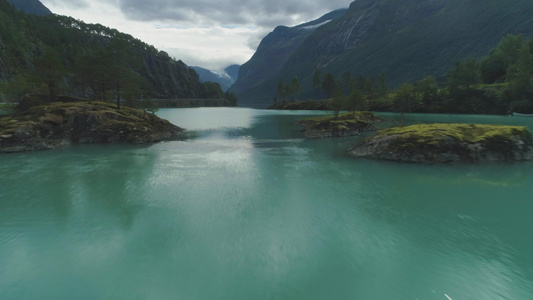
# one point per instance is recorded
(247, 209)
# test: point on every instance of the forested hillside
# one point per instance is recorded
(58, 54)
(408, 40)
(499, 83)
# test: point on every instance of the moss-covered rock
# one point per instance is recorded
(347, 124)
(448, 143)
(58, 124)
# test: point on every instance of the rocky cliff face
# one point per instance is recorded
(59, 124)
(406, 39)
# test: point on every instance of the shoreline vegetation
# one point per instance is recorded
(500, 83)
(497, 84)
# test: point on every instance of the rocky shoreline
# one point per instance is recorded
(448, 143)
(59, 124)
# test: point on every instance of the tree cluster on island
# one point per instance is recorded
(498, 83)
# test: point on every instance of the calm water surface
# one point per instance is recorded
(246, 209)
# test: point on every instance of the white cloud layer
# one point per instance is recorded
(207, 33)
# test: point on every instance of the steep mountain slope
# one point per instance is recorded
(233, 71)
(23, 38)
(34, 7)
(272, 54)
(407, 39)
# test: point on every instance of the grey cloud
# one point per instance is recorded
(70, 4)
(259, 13)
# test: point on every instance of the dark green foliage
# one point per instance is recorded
(408, 39)
(295, 87)
(212, 90)
(507, 77)
(493, 67)
(148, 105)
(356, 101)
(20, 85)
(98, 62)
(428, 91)
(464, 75)
(282, 93)
(49, 70)
(231, 97)
(329, 84)
(289, 91)
(302, 105)
(338, 100)
(500, 83)
(317, 79)
(405, 99)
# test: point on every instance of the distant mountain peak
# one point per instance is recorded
(275, 50)
(225, 79)
(32, 7)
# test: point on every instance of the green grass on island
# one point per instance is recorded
(446, 136)
(448, 143)
(59, 112)
(467, 133)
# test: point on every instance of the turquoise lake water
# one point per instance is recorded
(245, 208)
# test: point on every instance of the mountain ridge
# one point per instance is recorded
(33, 7)
(407, 40)
(280, 44)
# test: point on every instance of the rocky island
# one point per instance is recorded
(58, 124)
(347, 124)
(448, 143)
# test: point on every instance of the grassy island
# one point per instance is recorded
(58, 124)
(347, 124)
(448, 143)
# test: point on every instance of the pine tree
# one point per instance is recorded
(49, 70)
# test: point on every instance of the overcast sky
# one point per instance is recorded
(212, 34)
